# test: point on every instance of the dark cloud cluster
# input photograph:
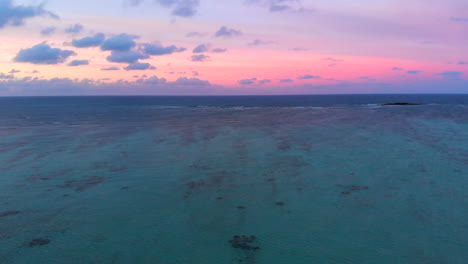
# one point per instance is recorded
(253, 81)
(414, 72)
(180, 8)
(157, 50)
(74, 29)
(308, 76)
(218, 50)
(281, 5)
(227, 32)
(184, 81)
(4, 76)
(370, 79)
(14, 15)
(86, 42)
(199, 57)
(259, 42)
(110, 69)
(128, 56)
(451, 75)
(122, 42)
(124, 49)
(397, 69)
(139, 66)
(75, 63)
(200, 48)
(48, 31)
(286, 80)
(247, 81)
(43, 54)
(66, 86)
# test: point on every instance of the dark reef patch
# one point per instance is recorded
(8, 213)
(280, 204)
(117, 168)
(348, 189)
(82, 185)
(39, 242)
(284, 145)
(244, 242)
(49, 176)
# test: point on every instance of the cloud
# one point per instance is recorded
(459, 19)
(200, 57)
(66, 86)
(331, 59)
(128, 56)
(195, 73)
(6, 76)
(74, 29)
(122, 42)
(300, 49)
(14, 15)
(43, 54)
(368, 78)
(414, 72)
(182, 8)
(139, 66)
(78, 62)
(48, 31)
(156, 50)
(110, 69)
(195, 34)
(191, 82)
(286, 80)
(462, 63)
(281, 5)
(247, 81)
(451, 75)
(200, 48)
(308, 76)
(264, 81)
(13, 71)
(227, 32)
(134, 2)
(259, 42)
(218, 50)
(87, 42)
(397, 69)
(152, 80)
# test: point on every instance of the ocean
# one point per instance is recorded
(329, 179)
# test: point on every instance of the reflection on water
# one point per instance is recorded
(139, 184)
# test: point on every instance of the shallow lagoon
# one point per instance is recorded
(108, 181)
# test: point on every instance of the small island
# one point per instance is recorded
(398, 103)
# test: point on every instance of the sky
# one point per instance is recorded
(232, 47)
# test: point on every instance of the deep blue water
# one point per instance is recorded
(316, 179)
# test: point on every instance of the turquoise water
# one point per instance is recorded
(141, 183)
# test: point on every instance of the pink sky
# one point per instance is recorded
(272, 47)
